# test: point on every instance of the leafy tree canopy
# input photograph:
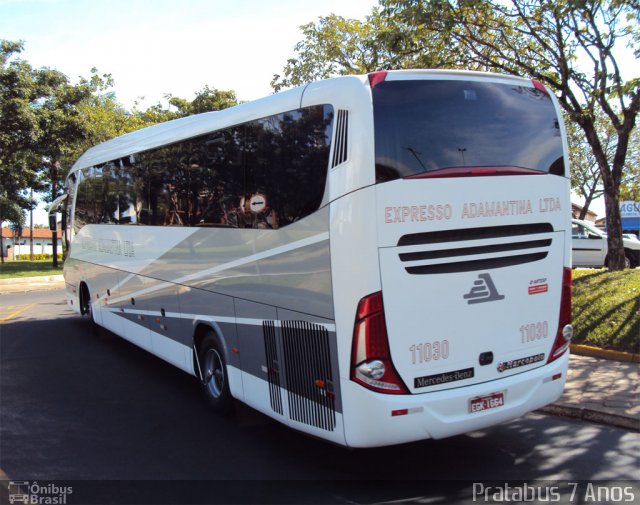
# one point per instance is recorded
(571, 46)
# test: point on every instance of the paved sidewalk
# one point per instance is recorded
(599, 390)
(602, 391)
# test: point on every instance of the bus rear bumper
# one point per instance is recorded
(389, 419)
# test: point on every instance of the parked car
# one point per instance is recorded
(589, 246)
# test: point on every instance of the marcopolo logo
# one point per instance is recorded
(483, 290)
(32, 493)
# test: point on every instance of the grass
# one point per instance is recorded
(606, 309)
(11, 269)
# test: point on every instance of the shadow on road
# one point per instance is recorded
(83, 407)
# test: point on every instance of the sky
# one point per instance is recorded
(158, 47)
(154, 47)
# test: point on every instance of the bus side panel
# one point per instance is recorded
(217, 312)
(354, 266)
(135, 307)
(100, 280)
(251, 345)
(350, 98)
(114, 314)
(308, 356)
(288, 267)
(172, 335)
(72, 281)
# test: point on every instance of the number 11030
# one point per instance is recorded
(534, 331)
(428, 351)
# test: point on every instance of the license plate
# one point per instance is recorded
(482, 403)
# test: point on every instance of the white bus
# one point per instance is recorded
(371, 260)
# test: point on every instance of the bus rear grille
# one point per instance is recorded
(340, 144)
(308, 374)
(435, 237)
(515, 245)
(273, 368)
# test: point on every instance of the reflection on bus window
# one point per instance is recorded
(264, 174)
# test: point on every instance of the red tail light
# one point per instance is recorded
(376, 78)
(565, 330)
(539, 86)
(371, 364)
(474, 172)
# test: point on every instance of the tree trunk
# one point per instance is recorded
(616, 259)
(31, 229)
(1, 240)
(54, 194)
(611, 175)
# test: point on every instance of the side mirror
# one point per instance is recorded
(53, 225)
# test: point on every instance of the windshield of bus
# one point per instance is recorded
(423, 126)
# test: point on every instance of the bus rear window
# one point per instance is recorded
(423, 126)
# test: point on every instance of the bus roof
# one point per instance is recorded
(183, 128)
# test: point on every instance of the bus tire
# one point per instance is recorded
(86, 308)
(213, 367)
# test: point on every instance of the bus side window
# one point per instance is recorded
(279, 163)
(287, 162)
(83, 200)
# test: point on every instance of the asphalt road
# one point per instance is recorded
(79, 407)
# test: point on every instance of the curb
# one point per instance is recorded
(597, 352)
(592, 415)
(28, 280)
(28, 284)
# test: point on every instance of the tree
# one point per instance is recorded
(102, 118)
(19, 130)
(338, 46)
(630, 188)
(40, 124)
(548, 40)
(206, 100)
(585, 173)
(62, 130)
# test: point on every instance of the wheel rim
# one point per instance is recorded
(214, 373)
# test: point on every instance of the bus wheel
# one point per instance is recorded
(86, 308)
(215, 383)
(85, 300)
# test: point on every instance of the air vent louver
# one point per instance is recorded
(340, 151)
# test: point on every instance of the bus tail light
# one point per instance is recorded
(376, 78)
(371, 364)
(565, 330)
(539, 86)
